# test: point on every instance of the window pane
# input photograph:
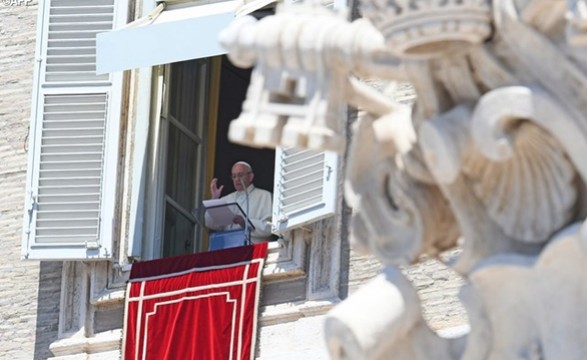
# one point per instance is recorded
(189, 84)
(181, 169)
(185, 119)
(179, 233)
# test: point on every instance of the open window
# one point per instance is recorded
(74, 183)
(189, 146)
(199, 98)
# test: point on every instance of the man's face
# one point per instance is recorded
(239, 172)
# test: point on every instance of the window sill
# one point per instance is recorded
(77, 343)
(277, 314)
(109, 297)
(285, 259)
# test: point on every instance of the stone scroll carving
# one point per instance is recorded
(492, 152)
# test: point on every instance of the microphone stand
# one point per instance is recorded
(247, 230)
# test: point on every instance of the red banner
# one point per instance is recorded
(200, 306)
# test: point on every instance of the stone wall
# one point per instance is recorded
(28, 311)
(437, 285)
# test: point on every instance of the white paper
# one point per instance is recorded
(220, 215)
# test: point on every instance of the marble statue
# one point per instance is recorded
(492, 156)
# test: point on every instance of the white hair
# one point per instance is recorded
(244, 163)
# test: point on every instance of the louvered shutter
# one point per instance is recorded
(74, 133)
(305, 187)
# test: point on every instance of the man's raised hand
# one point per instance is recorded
(214, 189)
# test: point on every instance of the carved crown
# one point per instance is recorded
(428, 28)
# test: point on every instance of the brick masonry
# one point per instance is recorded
(437, 286)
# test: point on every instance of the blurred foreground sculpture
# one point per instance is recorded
(493, 152)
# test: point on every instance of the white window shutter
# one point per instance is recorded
(305, 187)
(73, 144)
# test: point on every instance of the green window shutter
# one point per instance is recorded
(73, 151)
(305, 187)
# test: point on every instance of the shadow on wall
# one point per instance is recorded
(48, 298)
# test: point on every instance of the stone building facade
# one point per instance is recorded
(32, 291)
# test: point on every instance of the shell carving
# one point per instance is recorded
(532, 193)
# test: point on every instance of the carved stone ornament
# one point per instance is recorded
(493, 152)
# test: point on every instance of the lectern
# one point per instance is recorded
(221, 214)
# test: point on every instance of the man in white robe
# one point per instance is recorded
(259, 203)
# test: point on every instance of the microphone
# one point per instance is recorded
(247, 233)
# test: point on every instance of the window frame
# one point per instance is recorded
(152, 243)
